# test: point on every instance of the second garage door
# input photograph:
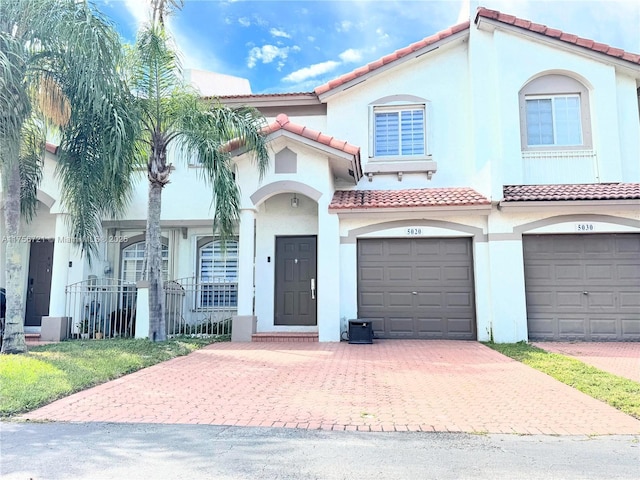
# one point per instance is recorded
(417, 288)
(583, 287)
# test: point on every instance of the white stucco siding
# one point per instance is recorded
(535, 58)
(312, 170)
(441, 78)
(50, 185)
(628, 119)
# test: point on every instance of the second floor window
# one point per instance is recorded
(399, 131)
(553, 120)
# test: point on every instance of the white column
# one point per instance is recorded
(508, 300)
(482, 279)
(142, 309)
(60, 267)
(328, 284)
(246, 261)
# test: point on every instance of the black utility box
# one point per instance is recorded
(360, 331)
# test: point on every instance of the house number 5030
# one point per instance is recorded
(585, 227)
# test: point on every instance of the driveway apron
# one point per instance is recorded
(392, 385)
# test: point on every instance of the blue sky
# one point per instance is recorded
(294, 46)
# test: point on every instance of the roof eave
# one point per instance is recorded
(458, 36)
(586, 205)
(490, 24)
(431, 209)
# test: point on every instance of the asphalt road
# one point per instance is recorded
(52, 451)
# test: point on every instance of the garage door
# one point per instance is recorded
(417, 288)
(583, 287)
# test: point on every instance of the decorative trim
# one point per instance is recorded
(477, 233)
(284, 186)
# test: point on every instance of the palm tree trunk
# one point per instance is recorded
(13, 337)
(158, 177)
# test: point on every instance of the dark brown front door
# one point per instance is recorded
(295, 293)
(39, 283)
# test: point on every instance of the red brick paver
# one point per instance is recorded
(388, 386)
(619, 358)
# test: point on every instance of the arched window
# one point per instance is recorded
(217, 273)
(555, 114)
(133, 262)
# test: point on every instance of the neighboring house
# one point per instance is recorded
(482, 183)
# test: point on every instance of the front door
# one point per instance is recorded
(295, 287)
(39, 283)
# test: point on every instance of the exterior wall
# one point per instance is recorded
(472, 86)
(442, 78)
(607, 90)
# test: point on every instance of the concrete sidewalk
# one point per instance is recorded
(619, 358)
(413, 385)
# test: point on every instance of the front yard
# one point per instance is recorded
(49, 372)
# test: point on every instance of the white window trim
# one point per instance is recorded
(398, 109)
(553, 99)
(123, 260)
(208, 240)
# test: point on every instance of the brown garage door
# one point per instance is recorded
(583, 287)
(417, 288)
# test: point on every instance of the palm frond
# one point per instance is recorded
(206, 133)
(31, 165)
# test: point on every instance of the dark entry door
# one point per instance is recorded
(39, 283)
(295, 300)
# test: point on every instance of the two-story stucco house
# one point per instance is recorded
(482, 183)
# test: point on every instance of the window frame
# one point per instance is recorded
(554, 99)
(135, 242)
(398, 111)
(555, 86)
(214, 290)
(398, 104)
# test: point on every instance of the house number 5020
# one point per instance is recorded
(585, 227)
(414, 231)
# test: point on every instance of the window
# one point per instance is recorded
(554, 120)
(399, 131)
(555, 114)
(133, 262)
(218, 274)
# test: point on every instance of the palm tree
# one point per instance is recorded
(59, 68)
(172, 115)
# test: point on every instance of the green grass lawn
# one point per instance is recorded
(49, 372)
(621, 393)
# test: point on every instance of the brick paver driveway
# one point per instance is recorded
(390, 385)
(619, 358)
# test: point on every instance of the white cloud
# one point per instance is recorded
(244, 21)
(267, 54)
(312, 71)
(279, 33)
(138, 10)
(351, 55)
(344, 26)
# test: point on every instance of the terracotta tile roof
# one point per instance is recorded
(51, 148)
(423, 197)
(263, 95)
(558, 34)
(403, 52)
(283, 123)
(591, 191)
